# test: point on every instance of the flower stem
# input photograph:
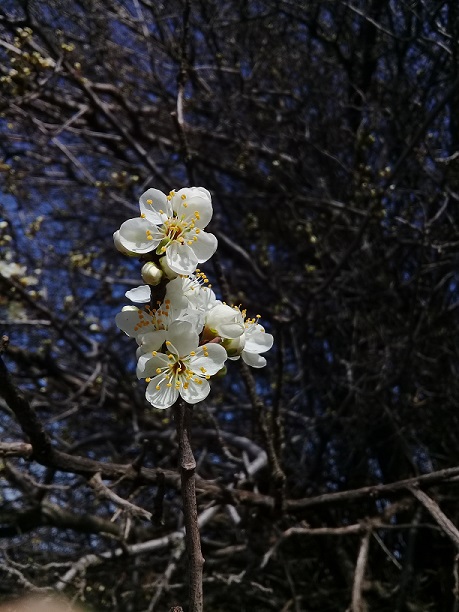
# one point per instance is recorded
(183, 416)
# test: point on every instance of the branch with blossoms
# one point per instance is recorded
(184, 334)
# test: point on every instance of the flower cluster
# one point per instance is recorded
(184, 334)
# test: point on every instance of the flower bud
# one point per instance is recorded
(151, 274)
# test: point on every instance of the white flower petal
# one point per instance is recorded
(181, 258)
(205, 246)
(140, 295)
(118, 246)
(150, 342)
(152, 202)
(133, 235)
(213, 363)
(147, 364)
(174, 288)
(163, 397)
(205, 192)
(253, 359)
(166, 268)
(227, 322)
(206, 299)
(128, 320)
(196, 391)
(134, 321)
(196, 200)
(258, 341)
(182, 337)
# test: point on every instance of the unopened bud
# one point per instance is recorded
(151, 274)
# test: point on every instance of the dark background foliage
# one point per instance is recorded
(327, 134)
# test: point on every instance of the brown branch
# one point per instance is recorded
(44, 454)
(178, 115)
(48, 514)
(277, 473)
(434, 509)
(380, 490)
(90, 560)
(358, 605)
(28, 420)
(183, 414)
(15, 449)
(131, 509)
(310, 531)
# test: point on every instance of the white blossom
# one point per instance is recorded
(184, 370)
(253, 341)
(184, 340)
(257, 341)
(195, 289)
(172, 226)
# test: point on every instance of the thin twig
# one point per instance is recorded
(97, 484)
(183, 414)
(28, 420)
(178, 115)
(358, 605)
(15, 449)
(437, 514)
